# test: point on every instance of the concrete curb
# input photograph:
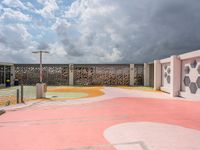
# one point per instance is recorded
(2, 111)
(20, 106)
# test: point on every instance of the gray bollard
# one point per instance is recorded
(22, 93)
(17, 96)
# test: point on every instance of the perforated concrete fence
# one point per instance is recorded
(166, 76)
(190, 77)
(179, 75)
(82, 74)
(101, 74)
(53, 74)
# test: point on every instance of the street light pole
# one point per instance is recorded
(41, 70)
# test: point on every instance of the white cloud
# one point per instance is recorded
(132, 31)
(57, 49)
(88, 8)
(76, 8)
(60, 24)
(50, 6)
(15, 43)
(14, 15)
(98, 36)
(14, 4)
(100, 31)
(30, 6)
(15, 36)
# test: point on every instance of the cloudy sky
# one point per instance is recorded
(97, 31)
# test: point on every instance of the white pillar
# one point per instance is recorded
(175, 76)
(146, 74)
(71, 74)
(157, 75)
(132, 74)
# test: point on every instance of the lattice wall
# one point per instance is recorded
(191, 76)
(53, 74)
(101, 74)
(166, 76)
(93, 74)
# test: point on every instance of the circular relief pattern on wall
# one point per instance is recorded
(167, 72)
(168, 79)
(198, 69)
(193, 88)
(165, 75)
(187, 81)
(190, 80)
(198, 82)
(187, 70)
(193, 64)
(165, 67)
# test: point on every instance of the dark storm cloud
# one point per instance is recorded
(2, 39)
(109, 31)
(138, 30)
(168, 27)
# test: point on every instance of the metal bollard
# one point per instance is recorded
(17, 96)
(22, 93)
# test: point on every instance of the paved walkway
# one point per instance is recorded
(109, 93)
(121, 119)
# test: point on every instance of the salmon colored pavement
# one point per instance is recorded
(79, 127)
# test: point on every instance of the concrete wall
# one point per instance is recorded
(53, 74)
(80, 74)
(179, 75)
(151, 75)
(190, 76)
(157, 75)
(146, 74)
(166, 77)
(103, 74)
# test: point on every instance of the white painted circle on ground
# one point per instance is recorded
(152, 136)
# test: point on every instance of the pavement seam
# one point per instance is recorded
(140, 143)
(64, 120)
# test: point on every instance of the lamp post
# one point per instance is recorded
(41, 87)
(41, 70)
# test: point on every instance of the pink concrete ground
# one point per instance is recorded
(82, 126)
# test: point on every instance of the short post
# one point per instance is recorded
(22, 93)
(17, 96)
